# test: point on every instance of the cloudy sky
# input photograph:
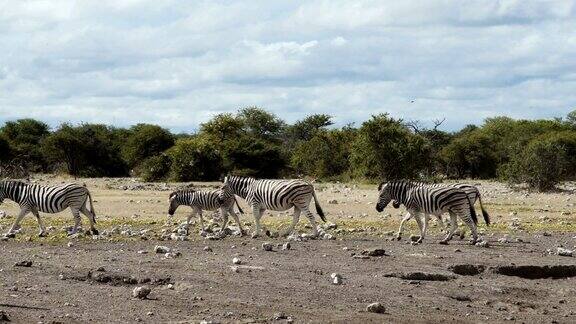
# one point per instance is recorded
(177, 63)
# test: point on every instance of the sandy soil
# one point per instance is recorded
(91, 278)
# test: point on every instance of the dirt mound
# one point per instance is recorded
(537, 272)
(119, 279)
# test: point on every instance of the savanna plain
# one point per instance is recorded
(518, 276)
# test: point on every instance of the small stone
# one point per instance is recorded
(170, 286)
(267, 246)
(207, 249)
(141, 292)
(564, 252)
(279, 316)
(173, 255)
(150, 314)
(336, 278)
(236, 261)
(70, 244)
(333, 202)
(161, 249)
(235, 269)
(483, 244)
(376, 308)
(286, 246)
(142, 252)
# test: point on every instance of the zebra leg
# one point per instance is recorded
(236, 219)
(406, 218)
(453, 228)
(199, 212)
(312, 221)
(77, 221)
(295, 219)
(224, 215)
(424, 228)
(91, 219)
(40, 223)
(257, 215)
(23, 212)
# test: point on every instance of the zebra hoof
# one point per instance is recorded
(42, 234)
(398, 238)
(95, 231)
(10, 235)
(443, 242)
(255, 235)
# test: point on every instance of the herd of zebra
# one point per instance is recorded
(420, 199)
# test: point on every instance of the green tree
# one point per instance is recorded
(195, 159)
(260, 123)
(385, 149)
(546, 160)
(25, 137)
(326, 155)
(469, 155)
(145, 141)
(86, 150)
(5, 150)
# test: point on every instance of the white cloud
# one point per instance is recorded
(179, 63)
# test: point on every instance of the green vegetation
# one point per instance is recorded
(540, 153)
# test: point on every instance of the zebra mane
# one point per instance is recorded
(181, 191)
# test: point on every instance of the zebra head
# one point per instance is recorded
(174, 202)
(225, 192)
(384, 198)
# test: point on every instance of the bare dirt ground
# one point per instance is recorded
(85, 278)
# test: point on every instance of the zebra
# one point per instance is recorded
(222, 199)
(472, 192)
(422, 199)
(34, 199)
(278, 195)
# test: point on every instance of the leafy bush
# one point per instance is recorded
(146, 141)
(25, 136)
(155, 168)
(384, 149)
(5, 150)
(326, 155)
(546, 160)
(470, 155)
(195, 159)
(87, 150)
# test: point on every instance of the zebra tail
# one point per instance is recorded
(92, 206)
(238, 205)
(472, 211)
(484, 212)
(318, 208)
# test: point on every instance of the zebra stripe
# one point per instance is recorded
(33, 198)
(277, 195)
(222, 199)
(430, 201)
(472, 192)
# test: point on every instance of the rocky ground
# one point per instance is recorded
(523, 274)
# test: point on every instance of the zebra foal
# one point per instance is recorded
(33, 198)
(277, 195)
(472, 192)
(430, 201)
(222, 199)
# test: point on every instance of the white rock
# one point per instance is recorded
(141, 292)
(236, 261)
(286, 246)
(376, 308)
(336, 278)
(564, 252)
